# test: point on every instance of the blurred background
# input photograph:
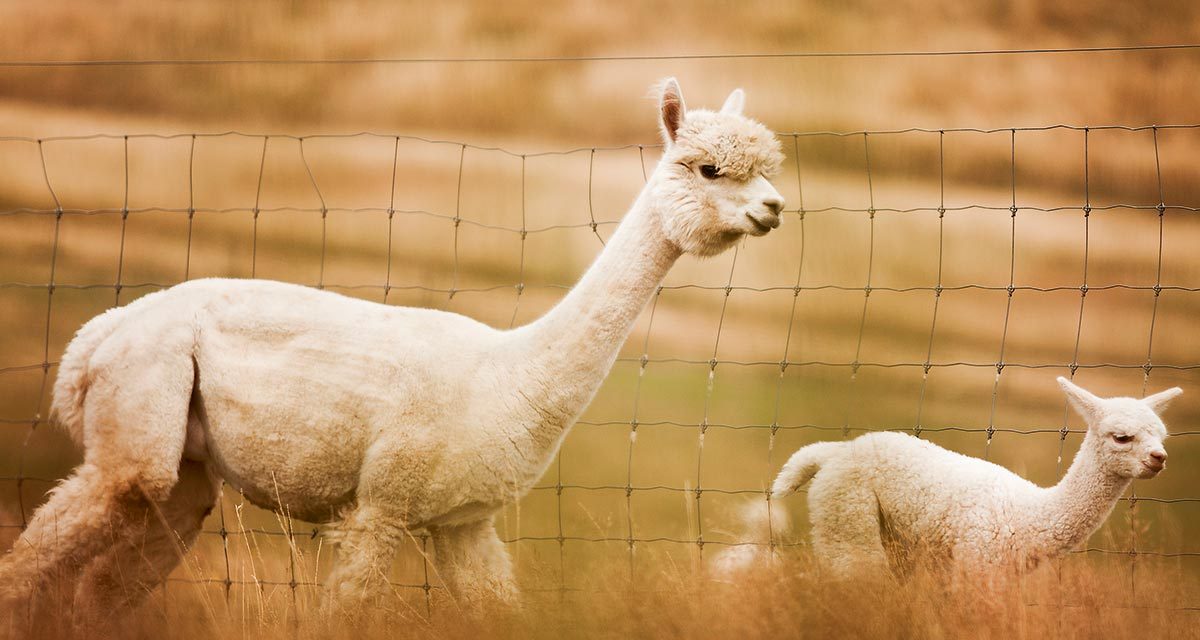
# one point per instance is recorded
(934, 280)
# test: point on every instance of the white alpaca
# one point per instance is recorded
(978, 516)
(375, 418)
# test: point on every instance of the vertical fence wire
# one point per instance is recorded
(856, 364)
(710, 382)
(462, 157)
(38, 415)
(312, 179)
(643, 361)
(520, 288)
(124, 224)
(591, 208)
(633, 432)
(937, 289)
(787, 343)
(391, 219)
(1133, 496)
(1012, 272)
(262, 167)
(191, 210)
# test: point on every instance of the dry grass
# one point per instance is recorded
(1066, 599)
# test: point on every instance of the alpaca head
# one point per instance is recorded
(1125, 434)
(714, 179)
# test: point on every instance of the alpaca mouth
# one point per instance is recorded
(1154, 469)
(763, 228)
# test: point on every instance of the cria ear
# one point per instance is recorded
(1088, 405)
(671, 108)
(734, 103)
(1159, 401)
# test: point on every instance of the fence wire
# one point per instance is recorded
(695, 487)
(220, 62)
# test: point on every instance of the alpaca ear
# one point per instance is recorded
(734, 103)
(1088, 405)
(671, 108)
(1159, 401)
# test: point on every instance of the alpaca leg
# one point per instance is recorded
(120, 578)
(846, 532)
(79, 521)
(367, 541)
(135, 420)
(474, 564)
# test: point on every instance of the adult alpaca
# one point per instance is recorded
(377, 419)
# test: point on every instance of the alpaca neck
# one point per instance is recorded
(1074, 508)
(569, 351)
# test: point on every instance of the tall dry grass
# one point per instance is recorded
(1069, 598)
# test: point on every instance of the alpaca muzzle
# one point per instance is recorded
(763, 223)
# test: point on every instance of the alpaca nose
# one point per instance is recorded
(1159, 456)
(774, 204)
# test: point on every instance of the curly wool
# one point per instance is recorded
(740, 147)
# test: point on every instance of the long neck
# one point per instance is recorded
(1073, 509)
(569, 351)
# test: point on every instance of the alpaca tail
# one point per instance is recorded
(70, 387)
(803, 465)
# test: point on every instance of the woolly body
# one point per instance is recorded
(378, 419)
(407, 410)
(894, 488)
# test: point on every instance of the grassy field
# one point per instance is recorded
(855, 361)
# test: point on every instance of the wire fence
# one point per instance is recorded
(647, 445)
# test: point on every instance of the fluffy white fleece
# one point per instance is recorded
(976, 515)
(377, 419)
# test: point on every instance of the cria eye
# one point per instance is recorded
(709, 171)
(1122, 439)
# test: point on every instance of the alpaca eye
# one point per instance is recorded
(709, 171)
(1122, 439)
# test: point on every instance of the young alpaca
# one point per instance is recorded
(980, 517)
(375, 418)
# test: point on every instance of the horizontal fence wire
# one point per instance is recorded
(695, 487)
(597, 58)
